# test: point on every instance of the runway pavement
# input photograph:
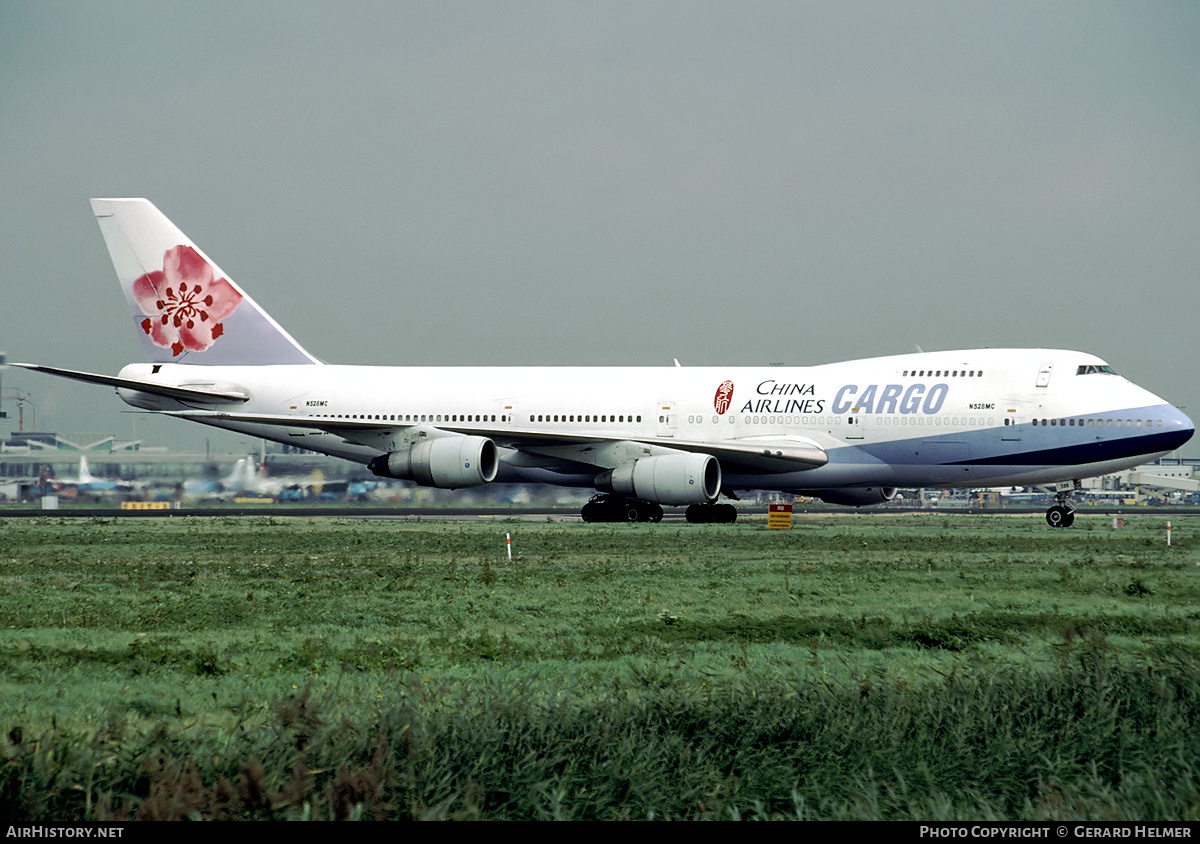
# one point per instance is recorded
(526, 513)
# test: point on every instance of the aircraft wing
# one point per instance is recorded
(206, 393)
(783, 454)
(753, 454)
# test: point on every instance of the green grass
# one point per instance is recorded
(856, 666)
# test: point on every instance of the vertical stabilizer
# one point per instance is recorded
(185, 309)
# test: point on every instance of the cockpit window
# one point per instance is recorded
(1092, 369)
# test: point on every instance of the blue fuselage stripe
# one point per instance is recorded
(1097, 451)
(1027, 445)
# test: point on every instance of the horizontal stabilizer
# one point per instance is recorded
(202, 394)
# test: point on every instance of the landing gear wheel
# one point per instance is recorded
(616, 508)
(1060, 516)
(710, 514)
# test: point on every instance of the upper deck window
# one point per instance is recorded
(1093, 369)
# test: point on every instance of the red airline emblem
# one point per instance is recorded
(724, 397)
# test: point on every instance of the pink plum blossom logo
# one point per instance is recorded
(723, 398)
(184, 302)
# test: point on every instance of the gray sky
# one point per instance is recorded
(611, 183)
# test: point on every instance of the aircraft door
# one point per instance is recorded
(1043, 377)
(1014, 415)
(666, 418)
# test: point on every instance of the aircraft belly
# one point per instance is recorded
(509, 474)
(1030, 475)
(829, 476)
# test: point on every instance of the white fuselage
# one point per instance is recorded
(961, 418)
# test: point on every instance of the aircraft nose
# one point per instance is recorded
(1180, 428)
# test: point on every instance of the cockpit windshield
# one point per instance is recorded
(1094, 369)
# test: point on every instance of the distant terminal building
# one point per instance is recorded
(16, 441)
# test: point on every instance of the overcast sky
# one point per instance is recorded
(611, 183)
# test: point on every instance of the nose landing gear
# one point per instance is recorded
(1061, 514)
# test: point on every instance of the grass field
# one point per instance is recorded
(858, 666)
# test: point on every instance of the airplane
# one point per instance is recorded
(297, 487)
(848, 433)
(87, 484)
(240, 477)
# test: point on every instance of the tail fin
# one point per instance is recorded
(185, 309)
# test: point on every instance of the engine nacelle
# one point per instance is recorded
(855, 496)
(668, 479)
(444, 462)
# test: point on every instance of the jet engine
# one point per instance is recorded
(444, 462)
(855, 496)
(667, 479)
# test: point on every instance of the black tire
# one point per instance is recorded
(1060, 516)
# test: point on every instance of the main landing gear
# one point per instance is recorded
(711, 514)
(605, 507)
(1061, 514)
